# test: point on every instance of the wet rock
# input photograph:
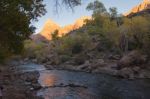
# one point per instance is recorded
(114, 57)
(68, 67)
(84, 66)
(34, 60)
(30, 76)
(105, 70)
(97, 63)
(26, 59)
(145, 73)
(31, 88)
(50, 59)
(133, 58)
(100, 61)
(126, 73)
(36, 86)
(136, 70)
(48, 66)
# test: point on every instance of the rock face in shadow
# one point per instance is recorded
(38, 38)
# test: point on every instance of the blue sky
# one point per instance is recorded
(66, 16)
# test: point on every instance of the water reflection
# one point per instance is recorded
(99, 86)
(47, 80)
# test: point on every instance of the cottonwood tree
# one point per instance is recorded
(16, 17)
(15, 26)
(68, 3)
(113, 13)
(97, 7)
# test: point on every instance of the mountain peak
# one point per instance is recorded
(143, 6)
(50, 26)
(50, 23)
(146, 0)
(81, 21)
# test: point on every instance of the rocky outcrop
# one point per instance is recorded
(145, 5)
(132, 59)
(50, 26)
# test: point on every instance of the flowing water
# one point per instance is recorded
(62, 84)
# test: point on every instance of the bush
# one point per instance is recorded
(138, 32)
(65, 58)
(2, 56)
(77, 48)
(32, 50)
(73, 44)
(106, 32)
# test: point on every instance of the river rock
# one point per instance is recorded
(84, 66)
(114, 57)
(34, 60)
(98, 63)
(126, 73)
(30, 76)
(145, 73)
(136, 69)
(26, 59)
(132, 58)
(36, 86)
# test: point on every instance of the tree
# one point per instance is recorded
(15, 26)
(55, 35)
(68, 3)
(113, 13)
(97, 7)
(137, 31)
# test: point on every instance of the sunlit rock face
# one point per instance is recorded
(143, 6)
(50, 26)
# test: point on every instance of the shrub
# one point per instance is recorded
(105, 30)
(65, 58)
(4, 53)
(73, 44)
(2, 56)
(32, 49)
(138, 32)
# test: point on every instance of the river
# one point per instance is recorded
(63, 84)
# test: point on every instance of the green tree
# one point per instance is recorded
(55, 35)
(137, 30)
(97, 7)
(15, 26)
(113, 13)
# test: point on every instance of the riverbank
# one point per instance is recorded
(17, 84)
(25, 79)
(128, 67)
(133, 65)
